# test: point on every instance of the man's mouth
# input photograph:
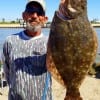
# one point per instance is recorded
(33, 22)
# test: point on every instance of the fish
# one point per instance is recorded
(71, 48)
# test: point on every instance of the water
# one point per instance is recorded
(4, 32)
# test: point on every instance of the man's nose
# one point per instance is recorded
(34, 15)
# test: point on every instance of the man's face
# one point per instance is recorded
(34, 18)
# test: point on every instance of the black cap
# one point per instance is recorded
(31, 8)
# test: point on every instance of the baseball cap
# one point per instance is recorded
(41, 3)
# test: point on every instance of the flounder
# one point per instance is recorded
(72, 47)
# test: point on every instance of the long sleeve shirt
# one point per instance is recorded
(24, 61)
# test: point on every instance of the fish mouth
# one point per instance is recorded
(72, 9)
(75, 8)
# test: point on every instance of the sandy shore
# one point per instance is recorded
(9, 25)
(20, 25)
(90, 90)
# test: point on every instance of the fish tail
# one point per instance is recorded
(69, 97)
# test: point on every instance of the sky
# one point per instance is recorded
(12, 9)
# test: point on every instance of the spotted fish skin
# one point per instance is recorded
(72, 48)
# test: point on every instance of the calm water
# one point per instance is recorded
(4, 32)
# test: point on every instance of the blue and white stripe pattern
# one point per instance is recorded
(25, 67)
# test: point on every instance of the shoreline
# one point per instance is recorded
(21, 25)
(10, 26)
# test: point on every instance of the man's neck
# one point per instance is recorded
(32, 34)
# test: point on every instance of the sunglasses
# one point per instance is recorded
(32, 10)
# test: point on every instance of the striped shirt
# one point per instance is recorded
(24, 61)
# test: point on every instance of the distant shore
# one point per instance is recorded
(21, 25)
(96, 25)
(10, 26)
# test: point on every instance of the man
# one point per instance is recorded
(25, 57)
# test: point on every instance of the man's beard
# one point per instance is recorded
(33, 28)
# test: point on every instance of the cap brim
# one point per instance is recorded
(30, 9)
